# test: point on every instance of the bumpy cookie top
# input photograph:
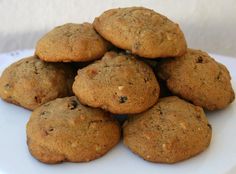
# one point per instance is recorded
(65, 130)
(71, 42)
(198, 78)
(142, 31)
(118, 83)
(31, 82)
(171, 131)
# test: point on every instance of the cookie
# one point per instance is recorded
(171, 131)
(164, 91)
(198, 78)
(142, 31)
(71, 42)
(65, 130)
(31, 82)
(118, 83)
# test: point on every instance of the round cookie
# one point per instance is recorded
(71, 42)
(171, 131)
(118, 83)
(65, 130)
(164, 91)
(31, 82)
(141, 31)
(198, 78)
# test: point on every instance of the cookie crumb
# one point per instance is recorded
(98, 148)
(74, 144)
(120, 87)
(163, 146)
(82, 117)
(168, 37)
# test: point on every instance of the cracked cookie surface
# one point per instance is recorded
(31, 82)
(65, 130)
(71, 43)
(198, 78)
(118, 83)
(141, 31)
(171, 131)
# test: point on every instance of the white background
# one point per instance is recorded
(208, 24)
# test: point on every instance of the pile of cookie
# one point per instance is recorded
(130, 61)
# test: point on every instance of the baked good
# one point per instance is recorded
(164, 91)
(71, 42)
(142, 31)
(197, 77)
(31, 82)
(65, 130)
(171, 131)
(118, 83)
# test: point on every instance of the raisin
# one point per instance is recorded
(51, 129)
(92, 73)
(43, 113)
(7, 86)
(130, 83)
(122, 99)
(37, 99)
(219, 75)
(48, 131)
(72, 105)
(209, 126)
(199, 60)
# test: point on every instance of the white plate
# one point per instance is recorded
(219, 158)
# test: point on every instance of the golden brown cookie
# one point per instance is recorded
(65, 130)
(171, 131)
(198, 78)
(71, 42)
(31, 82)
(118, 83)
(164, 91)
(141, 31)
